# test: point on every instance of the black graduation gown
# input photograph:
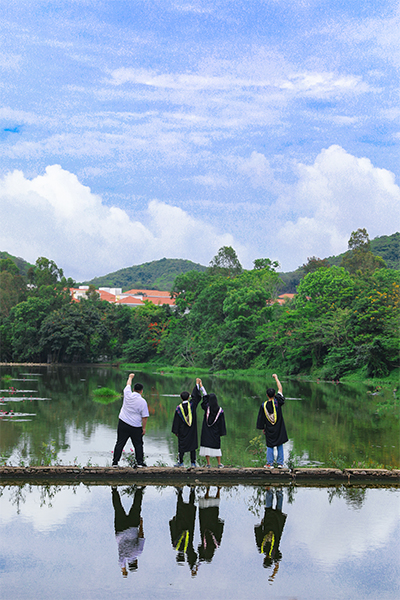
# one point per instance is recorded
(187, 436)
(211, 528)
(273, 523)
(211, 435)
(275, 435)
(182, 529)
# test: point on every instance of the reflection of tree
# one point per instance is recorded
(256, 502)
(330, 419)
(353, 496)
(182, 530)
(269, 532)
(211, 526)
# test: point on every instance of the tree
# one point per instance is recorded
(225, 263)
(314, 263)
(12, 286)
(46, 272)
(265, 263)
(359, 256)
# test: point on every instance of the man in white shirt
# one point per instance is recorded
(132, 422)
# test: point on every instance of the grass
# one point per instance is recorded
(105, 395)
(355, 377)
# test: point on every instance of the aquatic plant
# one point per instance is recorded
(105, 395)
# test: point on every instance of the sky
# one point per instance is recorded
(133, 130)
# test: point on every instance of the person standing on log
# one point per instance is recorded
(132, 422)
(212, 430)
(184, 425)
(270, 420)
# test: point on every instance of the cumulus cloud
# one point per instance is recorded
(334, 196)
(54, 215)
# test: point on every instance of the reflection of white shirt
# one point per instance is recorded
(134, 408)
(130, 545)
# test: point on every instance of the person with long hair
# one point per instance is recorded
(212, 430)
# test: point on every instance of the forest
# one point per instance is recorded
(343, 319)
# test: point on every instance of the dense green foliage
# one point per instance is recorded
(343, 318)
(23, 265)
(155, 275)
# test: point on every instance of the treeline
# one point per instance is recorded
(343, 318)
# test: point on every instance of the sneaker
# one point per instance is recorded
(178, 464)
(115, 466)
(280, 467)
(268, 467)
(140, 466)
(208, 466)
(221, 466)
(193, 465)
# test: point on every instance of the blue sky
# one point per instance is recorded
(136, 130)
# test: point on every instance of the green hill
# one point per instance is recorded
(22, 264)
(385, 246)
(155, 275)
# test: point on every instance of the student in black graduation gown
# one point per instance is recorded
(212, 430)
(270, 420)
(182, 530)
(184, 425)
(269, 532)
(211, 526)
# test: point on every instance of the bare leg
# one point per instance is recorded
(208, 460)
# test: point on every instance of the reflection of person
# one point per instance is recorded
(270, 420)
(182, 530)
(211, 526)
(212, 429)
(128, 531)
(269, 532)
(184, 425)
(132, 422)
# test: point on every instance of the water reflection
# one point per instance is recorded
(181, 527)
(269, 532)
(323, 531)
(211, 526)
(128, 529)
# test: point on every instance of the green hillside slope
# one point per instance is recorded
(155, 275)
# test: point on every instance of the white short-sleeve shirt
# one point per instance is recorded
(134, 408)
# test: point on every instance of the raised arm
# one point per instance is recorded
(278, 383)
(131, 376)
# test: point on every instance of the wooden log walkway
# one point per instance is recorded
(67, 475)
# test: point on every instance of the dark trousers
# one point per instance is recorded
(124, 432)
(192, 456)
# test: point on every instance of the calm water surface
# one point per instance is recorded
(327, 423)
(236, 542)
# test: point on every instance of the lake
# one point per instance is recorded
(234, 542)
(240, 542)
(328, 424)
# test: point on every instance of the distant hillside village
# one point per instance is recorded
(131, 298)
(135, 298)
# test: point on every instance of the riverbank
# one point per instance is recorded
(197, 476)
(353, 377)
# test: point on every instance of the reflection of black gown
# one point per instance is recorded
(182, 529)
(128, 529)
(187, 435)
(268, 535)
(211, 528)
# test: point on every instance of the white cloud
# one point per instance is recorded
(54, 215)
(333, 197)
(258, 169)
